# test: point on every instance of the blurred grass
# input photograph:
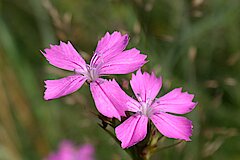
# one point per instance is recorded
(191, 43)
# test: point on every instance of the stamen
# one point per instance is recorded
(91, 73)
(94, 59)
(139, 97)
(146, 108)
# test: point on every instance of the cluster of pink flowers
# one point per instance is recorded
(110, 57)
(68, 151)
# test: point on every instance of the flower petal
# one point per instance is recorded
(123, 63)
(62, 87)
(175, 101)
(66, 151)
(109, 46)
(133, 105)
(145, 86)
(109, 98)
(85, 152)
(64, 56)
(132, 131)
(173, 126)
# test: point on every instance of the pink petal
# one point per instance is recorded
(173, 126)
(175, 101)
(66, 151)
(145, 86)
(133, 105)
(132, 131)
(64, 56)
(123, 63)
(109, 98)
(86, 152)
(62, 87)
(109, 46)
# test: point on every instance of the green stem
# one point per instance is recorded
(169, 146)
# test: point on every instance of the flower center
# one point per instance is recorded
(91, 73)
(146, 108)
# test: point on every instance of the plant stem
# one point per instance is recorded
(169, 146)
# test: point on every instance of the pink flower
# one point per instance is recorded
(110, 57)
(146, 88)
(67, 151)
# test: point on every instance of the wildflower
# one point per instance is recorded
(146, 88)
(67, 151)
(110, 57)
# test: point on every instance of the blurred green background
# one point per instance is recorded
(191, 43)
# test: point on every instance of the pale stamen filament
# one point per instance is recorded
(90, 73)
(146, 108)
